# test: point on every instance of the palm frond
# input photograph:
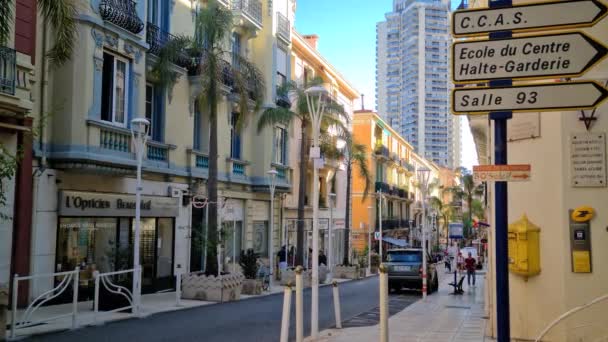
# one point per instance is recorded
(6, 20)
(61, 14)
(168, 55)
(248, 85)
(214, 22)
(275, 116)
(359, 156)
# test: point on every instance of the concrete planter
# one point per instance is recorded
(347, 272)
(211, 288)
(289, 276)
(252, 287)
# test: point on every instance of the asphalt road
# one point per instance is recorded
(256, 319)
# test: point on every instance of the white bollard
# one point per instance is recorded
(299, 305)
(96, 297)
(383, 303)
(286, 314)
(337, 305)
(178, 288)
(75, 298)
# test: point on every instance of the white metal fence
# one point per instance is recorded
(106, 281)
(26, 319)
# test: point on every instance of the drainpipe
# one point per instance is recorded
(41, 109)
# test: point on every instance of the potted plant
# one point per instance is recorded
(249, 264)
(375, 263)
(209, 286)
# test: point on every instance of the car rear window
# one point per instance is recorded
(404, 256)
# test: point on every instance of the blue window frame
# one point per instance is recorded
(235, 138)
(280, 146)
(155, 111)
(236, 49)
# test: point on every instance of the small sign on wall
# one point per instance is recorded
(524, 126)
(580, 241)
(588, 159)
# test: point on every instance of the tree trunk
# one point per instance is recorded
(212, 235)
(302, 195)
(347, 212)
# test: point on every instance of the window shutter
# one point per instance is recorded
(25, 27)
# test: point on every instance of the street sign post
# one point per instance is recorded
(528, 17)
(544, 56)
(536, 98)
(501, 173)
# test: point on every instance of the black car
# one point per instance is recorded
(405, 270)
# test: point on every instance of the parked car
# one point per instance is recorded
(465, 254)
(405, 270)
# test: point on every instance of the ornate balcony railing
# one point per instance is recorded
(202, 162)
(7, 70)
(158, 152)
(238, 169)
(122, 13)
(157, 39)
(382, 150)
(283, 27)
(384, 187)
(282, 99)
(114, 139)
(251, 8)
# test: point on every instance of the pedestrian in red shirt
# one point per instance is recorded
(469, 264)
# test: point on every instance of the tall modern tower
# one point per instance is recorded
(412, 80)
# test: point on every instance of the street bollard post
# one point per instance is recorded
(337, 305)
(178, 288)
(286, 313)
(299, 305)
(383, 303)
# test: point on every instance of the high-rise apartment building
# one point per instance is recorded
(412, 77)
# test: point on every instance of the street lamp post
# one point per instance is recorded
(272, 174)
(332, 198)
(369, 246)
(316, 107)
(423, 180)
(380, 224)
(139, 134)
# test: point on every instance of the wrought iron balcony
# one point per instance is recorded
(252, 9)
(382, 150)
(157, 39)
(227, 78)
(384, 187)
(8, 58)
(282, 99)
(122, 13)
(283, 27)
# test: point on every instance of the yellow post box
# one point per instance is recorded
(524, 247)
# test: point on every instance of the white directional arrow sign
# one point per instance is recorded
(547, 56)
(528, 17)
(538, 98)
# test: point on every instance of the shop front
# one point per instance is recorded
(95, 232)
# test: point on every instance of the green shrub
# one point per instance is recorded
(249, 263)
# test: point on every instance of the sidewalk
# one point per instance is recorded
(150, 304)
(441, 317)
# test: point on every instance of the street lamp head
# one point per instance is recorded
(140, 126)
(272, 173)
(316, 91)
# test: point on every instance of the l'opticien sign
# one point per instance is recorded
(546, 56)
(528, 17)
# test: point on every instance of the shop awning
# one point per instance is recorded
(396, 242)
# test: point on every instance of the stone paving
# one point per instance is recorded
(441, 317)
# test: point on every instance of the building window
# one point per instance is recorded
(236, 49)
(114, 93)
(235, 138)
(281, 67)
(260, 238)
(153, 11)
(150, 106)
(280, 146)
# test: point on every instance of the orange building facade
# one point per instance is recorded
(393, 164)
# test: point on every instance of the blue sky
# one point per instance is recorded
(347, 39)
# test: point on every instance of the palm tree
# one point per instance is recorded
(467, 191)
(60, 14)
(212, 27)
(300, 112)
(443, 209)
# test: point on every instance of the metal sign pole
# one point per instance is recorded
(501, 196)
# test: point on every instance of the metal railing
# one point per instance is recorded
(8, 59)
(122, 13)
(283, 27)
(382, 150)
(251, 8)
(26, 320)
(107, 281)
(157, 39)
(238, 168)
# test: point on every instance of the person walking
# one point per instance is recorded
(282, 259)
(470, 267)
